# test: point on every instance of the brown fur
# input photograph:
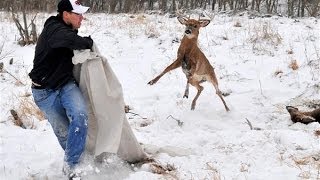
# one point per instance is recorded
(303, 117)
(194, 63)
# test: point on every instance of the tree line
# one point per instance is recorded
(291, 8)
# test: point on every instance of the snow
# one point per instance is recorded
(213, 143)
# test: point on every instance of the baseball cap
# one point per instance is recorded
(72, 6)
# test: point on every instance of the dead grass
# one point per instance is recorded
(151, 31)
(244, 167)
(134, 24)
(294, 65)
(215, 174)
(25, 112)
(264, 38)
(162, 169)
(309, 166)
(28, 109)
(168, 170)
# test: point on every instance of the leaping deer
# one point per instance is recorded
(194, 63)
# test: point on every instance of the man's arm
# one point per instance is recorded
(69, 39)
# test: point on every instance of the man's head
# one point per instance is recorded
(71, 12)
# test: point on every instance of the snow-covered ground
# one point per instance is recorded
(264, 63)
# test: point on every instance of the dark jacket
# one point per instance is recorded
(52, 64)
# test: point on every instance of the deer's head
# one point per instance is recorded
(192, 26)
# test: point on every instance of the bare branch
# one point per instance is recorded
(180, 123)
(250, 125)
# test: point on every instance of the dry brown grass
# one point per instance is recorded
(151, 31)
(134, 24)
(168, 170)
(28, 109)
(309, 166)
(215, 173)
(264, 38)
(244, 167)
(23, 109)
(265, 32)
(162, 169)
(294, 65)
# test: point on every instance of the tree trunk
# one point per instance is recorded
(252, 4)
(174, 7)
(126, 6)
(24, 15)
(164, 5)
(113, 4)
(180, 4)
(303, 6)
(213, 4)
(150, 4)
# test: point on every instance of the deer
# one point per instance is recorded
(304, 117)
(194, 63)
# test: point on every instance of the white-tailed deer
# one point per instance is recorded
(194, 63)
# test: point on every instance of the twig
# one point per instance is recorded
(5, 71)
(127, 109)
(250, 125)
(4, 121)
(32, 20)
(180, 123)
(260, 87)
(135, 114)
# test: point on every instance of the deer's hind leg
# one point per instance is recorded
(214, 82)
(196, 84)
(186, 91)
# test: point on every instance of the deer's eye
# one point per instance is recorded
(194, 26)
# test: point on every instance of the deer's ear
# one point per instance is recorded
(204, 22)
(291, 108)
(182, 20)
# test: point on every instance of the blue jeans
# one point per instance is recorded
(66, 111)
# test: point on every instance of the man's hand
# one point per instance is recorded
(90, 41)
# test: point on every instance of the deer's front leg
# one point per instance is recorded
(172, 66)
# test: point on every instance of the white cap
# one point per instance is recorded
(72, 6)
(77, 7)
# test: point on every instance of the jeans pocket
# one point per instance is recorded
(40, 94)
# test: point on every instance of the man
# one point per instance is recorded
(53, 86)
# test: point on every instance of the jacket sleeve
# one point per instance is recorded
(70, 39)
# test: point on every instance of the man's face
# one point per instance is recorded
(73, 19)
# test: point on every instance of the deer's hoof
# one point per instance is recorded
(193, 106)
(185, 96)
(225, 94)
(151, 82)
